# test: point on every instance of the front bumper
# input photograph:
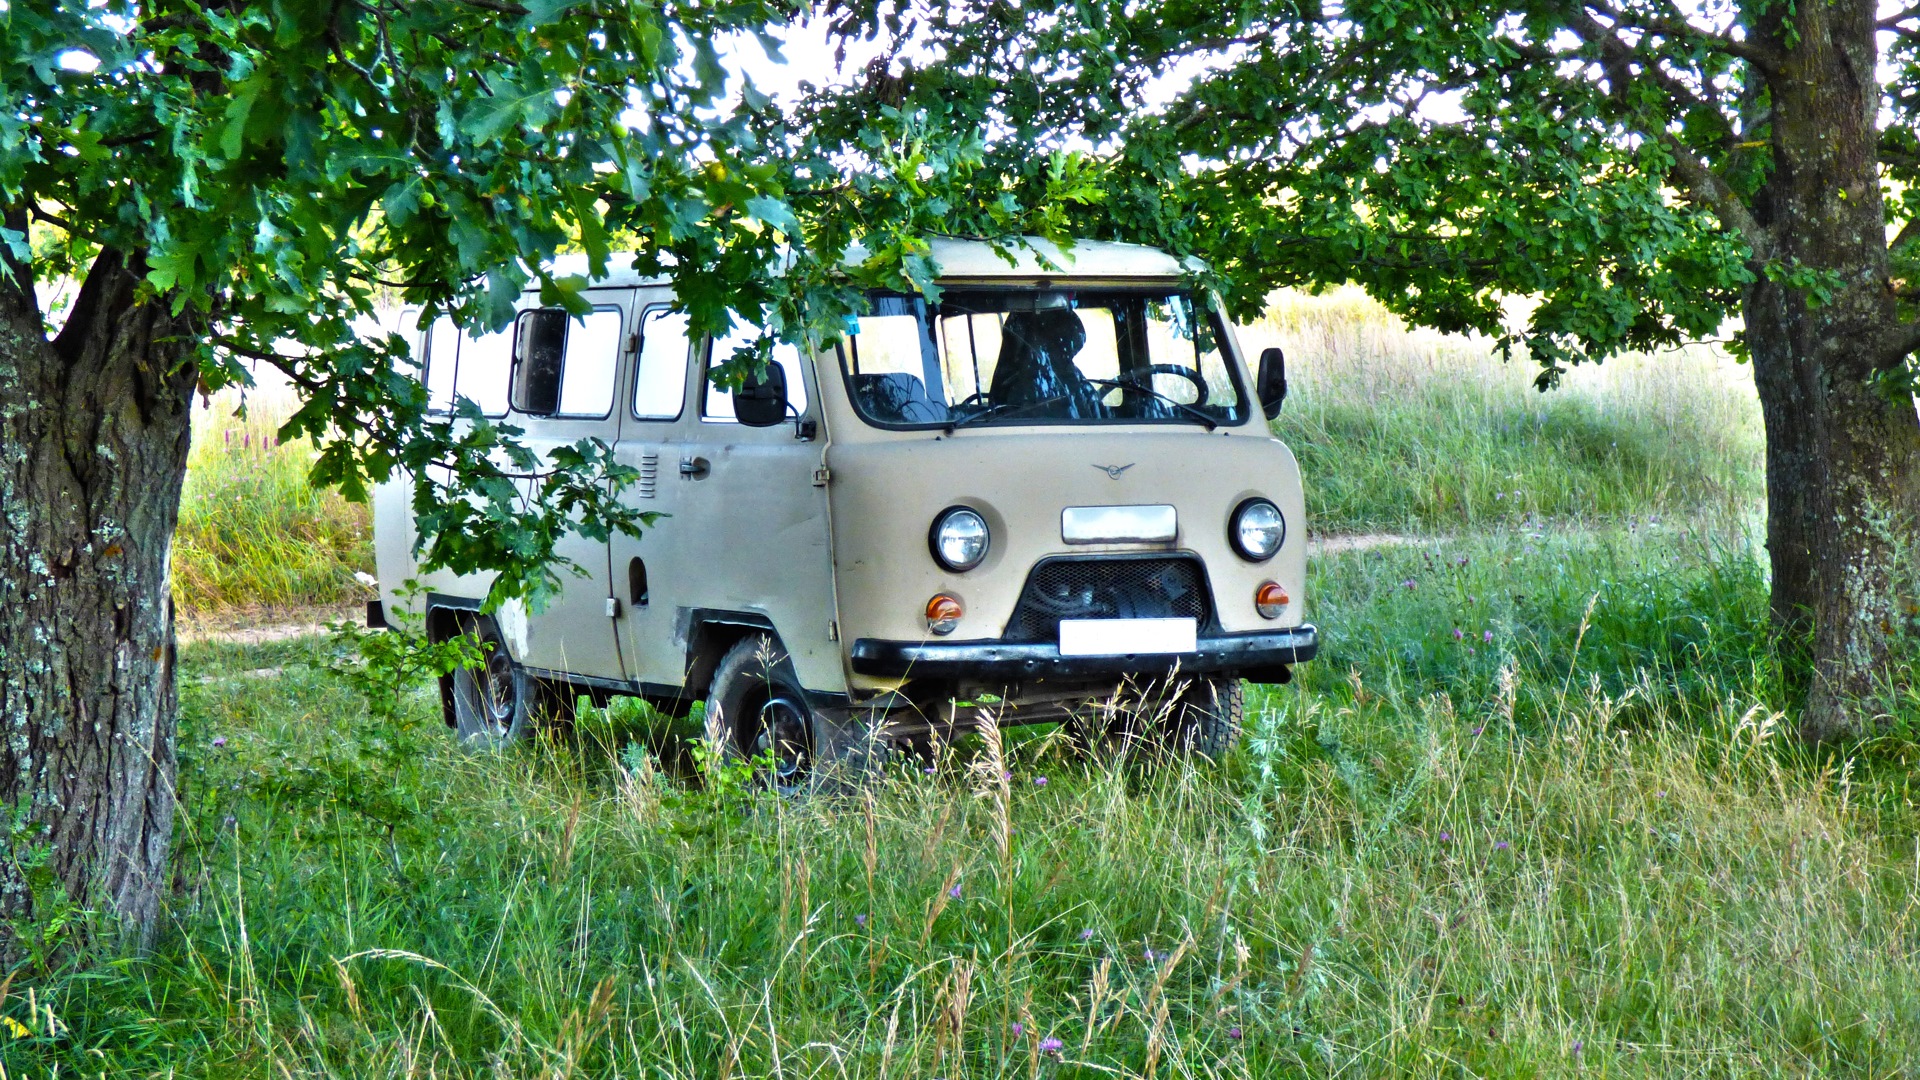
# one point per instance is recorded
(1261, 653)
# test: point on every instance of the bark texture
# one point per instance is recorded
(1843, 455)
(94, 429)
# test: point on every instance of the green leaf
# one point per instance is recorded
(239, 110)
(775, 213)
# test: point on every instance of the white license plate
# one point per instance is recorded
(1116, 637)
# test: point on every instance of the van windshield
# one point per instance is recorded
(1027, 356)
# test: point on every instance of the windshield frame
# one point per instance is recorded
(1203, 304)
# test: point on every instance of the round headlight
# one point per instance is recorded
(959, 539)
(1257, 529)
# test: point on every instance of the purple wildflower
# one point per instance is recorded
(1039, 781)
(1461, 561)
(1501, 846)
(860, 919)
(1458, 633)
(229, 821)
(928, 770)
(1235, 1033)
(1478, 730)
(1411, 584)
(1051, 1045)
(1498, 495)
(955, 891)
(1006, 776)
(1577, 1045)
(219, 741)
(1017, 1028)
(1087, 934)
(1486, 636)
(1445, 836)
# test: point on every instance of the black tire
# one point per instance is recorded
(499, 703)
(1208, 718)
(762, 707)
(1195, 715)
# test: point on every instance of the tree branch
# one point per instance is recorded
(1676, 26)
(1892, 22)
(1897, 344)
(1702, 186)
(1907, 232)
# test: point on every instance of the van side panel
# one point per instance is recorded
(574, 632)
(747, 535)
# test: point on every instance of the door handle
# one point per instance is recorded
(694, 468)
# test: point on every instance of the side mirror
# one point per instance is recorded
(762, 402)
(1272, 388)
(539, 346)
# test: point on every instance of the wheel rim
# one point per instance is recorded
(783, 730)
(497, 695)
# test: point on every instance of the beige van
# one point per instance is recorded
(1052, 489)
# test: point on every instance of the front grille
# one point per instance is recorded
(1145, 587)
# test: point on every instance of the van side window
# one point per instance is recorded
(467, 365)
(719, 403)
(660, 381)
(593, 356)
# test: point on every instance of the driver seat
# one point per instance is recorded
(1036, 361)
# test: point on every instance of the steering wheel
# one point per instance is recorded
(1192, 375)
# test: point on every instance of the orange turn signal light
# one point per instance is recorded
(943, 613)
(1270, 599)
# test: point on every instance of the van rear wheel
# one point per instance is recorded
(498, 702)
(764, 712)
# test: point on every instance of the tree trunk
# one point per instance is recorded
(94, 427)
(1843, 455)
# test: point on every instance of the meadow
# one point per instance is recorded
(1536, 810)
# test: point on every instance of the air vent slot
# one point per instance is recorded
(649, 485)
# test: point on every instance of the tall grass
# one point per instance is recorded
(1408, 430)
(1559, 853)
(253, 533)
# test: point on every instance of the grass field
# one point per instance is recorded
(254, 535)
(1400, 430)
(1534, 811)
(1587, 843)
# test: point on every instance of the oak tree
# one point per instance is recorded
(239, 181)
(1644, 169)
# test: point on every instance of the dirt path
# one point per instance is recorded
(262, 627)
(1334, 545)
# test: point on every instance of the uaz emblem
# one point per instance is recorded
(1113, 471)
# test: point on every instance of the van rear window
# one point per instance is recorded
(467, 365)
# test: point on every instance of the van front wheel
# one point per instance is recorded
(1207, 718)
(764, 711)
(1184, 716)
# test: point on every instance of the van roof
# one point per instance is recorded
(964, 260)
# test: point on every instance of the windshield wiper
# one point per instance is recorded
(1004, 409)
(1193, 413)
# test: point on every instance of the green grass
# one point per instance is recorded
(1398, 430)
(1534, 811)
(253, 533)
(1587, 845)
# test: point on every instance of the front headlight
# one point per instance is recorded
(959, 539)
(1257, 529)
